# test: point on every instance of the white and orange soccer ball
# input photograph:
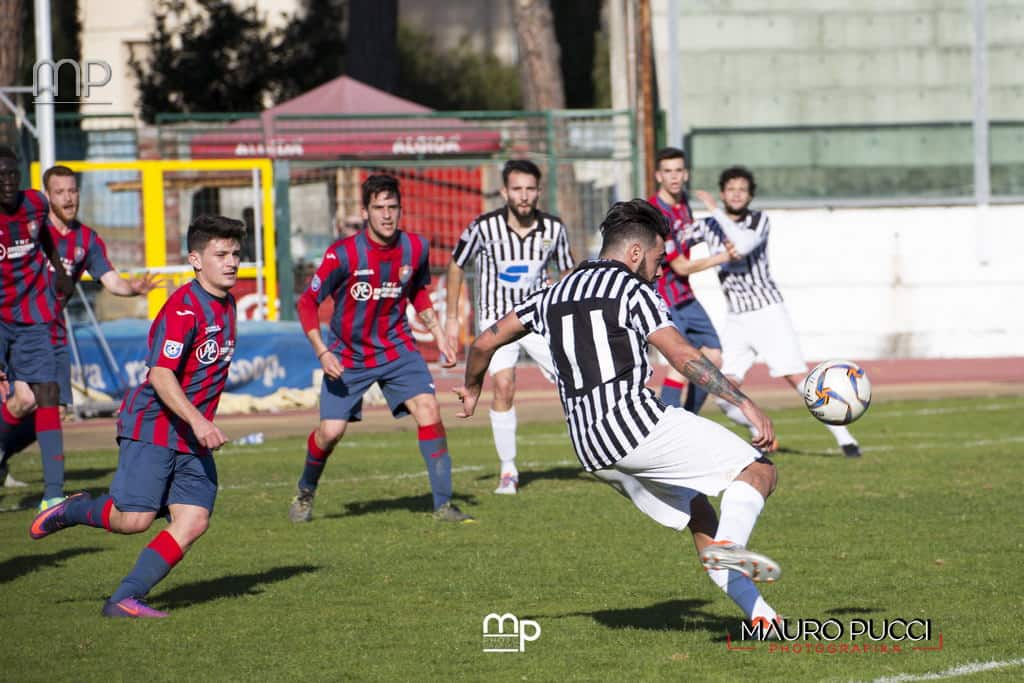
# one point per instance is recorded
(837, 392)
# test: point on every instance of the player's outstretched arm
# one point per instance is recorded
(505, 331)
(453, 290)
(167, 387)
(134, 286)
(683, 266)
(692, 364)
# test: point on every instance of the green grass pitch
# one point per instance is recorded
(927, 525)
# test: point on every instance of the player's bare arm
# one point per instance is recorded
(683, 266)
(329, 361)
(429, 319)
(168, 388)
(453, 288)
(692, 364)
(505, 331)
(133, 286)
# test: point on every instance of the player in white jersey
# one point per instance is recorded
(599, 321)
(757, 323)
(513, 248)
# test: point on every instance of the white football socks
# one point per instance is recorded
(741, 504)
(503, 425)
(743, 592)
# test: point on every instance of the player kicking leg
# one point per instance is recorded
(166, 436)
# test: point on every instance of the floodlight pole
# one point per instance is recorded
(45, 85)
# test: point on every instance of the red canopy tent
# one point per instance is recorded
(304, 128)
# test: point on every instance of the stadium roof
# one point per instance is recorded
(346, 118)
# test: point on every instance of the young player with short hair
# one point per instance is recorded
(757, 323)
(372, 277)
(165, 429)
(80, 250)
(598, 322)
(513, 247)
(689, 316)
(31, 278)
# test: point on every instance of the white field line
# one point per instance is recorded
(877, 413)
(955, 672)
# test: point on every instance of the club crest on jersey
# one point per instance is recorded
(3, 252)
(208, 352)
(79, 254)
(172, 349)
(361, 291)
(546, 244)
(33, 229)
(315, 283)
(404, 273)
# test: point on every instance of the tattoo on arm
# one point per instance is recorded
(493, 329)
(703, 373)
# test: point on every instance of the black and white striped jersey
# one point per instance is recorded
(596, 321)
(510, 268)
(747, 283)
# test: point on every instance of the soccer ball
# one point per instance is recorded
(837, 392)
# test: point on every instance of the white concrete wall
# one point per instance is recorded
(896, 282)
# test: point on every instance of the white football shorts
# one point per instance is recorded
(767, 334)
(508, 356)
(683, 456)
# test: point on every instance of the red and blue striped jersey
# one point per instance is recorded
(371, 285)
(28, 291)
(674, 289)
(80, 250)
(193, 335)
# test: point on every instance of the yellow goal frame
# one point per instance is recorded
(151, 173)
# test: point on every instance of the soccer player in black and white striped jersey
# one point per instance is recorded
(513, 248)
(757, 323)
(598, 322)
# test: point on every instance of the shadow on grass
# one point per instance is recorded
(421, 503)
(671, 615)
(30, 501)
(853, 610)
(88, 473)
(228, 586)
(527, 477)
(26, 564)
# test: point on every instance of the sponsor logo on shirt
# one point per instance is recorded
(514, 273)
(172, 349)
(363, 271)
(213, 329)
(208, 352)
(361, 291)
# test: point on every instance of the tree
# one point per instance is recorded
(458, 79)
(373, 43)
(216, 60)
(311, 48)
(541, 81)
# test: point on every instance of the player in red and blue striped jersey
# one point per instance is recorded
(165, 430)
(29, 286)
(686, 312)
(372, 277)
(80, 249)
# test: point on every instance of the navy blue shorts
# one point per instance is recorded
(62, 356)
(151, 477)
(693, 322)
(28, 352)
(400, 380)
